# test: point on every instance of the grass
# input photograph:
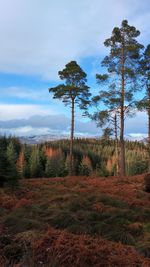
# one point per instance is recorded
(99, 208)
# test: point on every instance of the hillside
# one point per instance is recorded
(77, 222)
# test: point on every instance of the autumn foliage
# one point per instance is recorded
(76, 221)
(71, 250)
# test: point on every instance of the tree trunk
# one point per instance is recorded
(122, 146)
(148, 129)
(71, 138)
(116, 145)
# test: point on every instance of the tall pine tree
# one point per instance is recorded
(73, 91)
(122, 65)
(144, 104)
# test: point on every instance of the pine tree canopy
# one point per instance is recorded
(74, 86)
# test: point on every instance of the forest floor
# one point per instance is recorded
(76, 222)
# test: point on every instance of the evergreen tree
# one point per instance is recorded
(27, 155)
(122, 65)
(55, 166)
(144, 104)
(109, 120)
(12, 169)
(35, 163)
(3, 161)
(73, 91)
(85, 167)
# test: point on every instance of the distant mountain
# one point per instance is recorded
(136, 137)
(38, 139)
(144, 140)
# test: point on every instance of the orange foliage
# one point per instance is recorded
(81, 250)
(126, 189)
(110, 163)
(86, 161)
(50, 152)
(68, 250)
(129, 189)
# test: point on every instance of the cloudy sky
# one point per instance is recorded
(38, 37)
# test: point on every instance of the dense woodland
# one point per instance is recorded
(91, 157)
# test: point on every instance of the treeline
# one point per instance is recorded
(90, 157)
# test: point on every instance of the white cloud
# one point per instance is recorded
(18, 92)
(46, 124)
(19, 111)
(25, 131)
(40, 37)
(36, 119)
(26, 93)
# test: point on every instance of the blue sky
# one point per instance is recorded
(38, 38)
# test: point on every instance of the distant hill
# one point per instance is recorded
(38, 139)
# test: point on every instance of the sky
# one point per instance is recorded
(38, 38)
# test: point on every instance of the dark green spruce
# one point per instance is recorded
(13, 177)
